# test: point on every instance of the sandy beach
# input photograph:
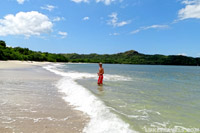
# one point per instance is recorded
(20, 64)
(30, 102)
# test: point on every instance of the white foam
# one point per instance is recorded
(7, 120)
(4, 102)
(27, 110)
(35, 120)
(138, 117)
(164, 124)
(101, 119)
(78, 75)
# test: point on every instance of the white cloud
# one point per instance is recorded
(86, 18)
(63, 34)
(182, 54)
(156, 27)
(136, 31)
(150, 27)
(114, 34)
(48, 7)
(25, 23)
(114, 21)
(79, 1)
(58, 19)
(106, 2)
(20, 1)
(191, 10)
(188, 2)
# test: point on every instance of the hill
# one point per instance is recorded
(128, 57)
(134, 57)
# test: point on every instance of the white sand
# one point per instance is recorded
(20, 64)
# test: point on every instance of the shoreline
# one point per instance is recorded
(30, 101)
(9, 64)
(13, 64)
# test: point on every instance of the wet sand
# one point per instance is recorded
(30, 102)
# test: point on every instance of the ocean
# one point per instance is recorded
(134, 98)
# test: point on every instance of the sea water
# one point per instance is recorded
(134, 98)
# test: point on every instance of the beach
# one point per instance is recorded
(20, 64)
(65, 98)
(30, 102)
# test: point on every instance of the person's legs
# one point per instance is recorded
(101, 81)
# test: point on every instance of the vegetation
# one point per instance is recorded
(24, 54)
(128, 57)
(133, 57)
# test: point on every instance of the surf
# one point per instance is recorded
(101, 118)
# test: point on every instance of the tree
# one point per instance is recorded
(2, 43)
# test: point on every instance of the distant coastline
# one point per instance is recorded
(128, 57)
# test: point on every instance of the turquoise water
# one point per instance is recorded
(146, 97)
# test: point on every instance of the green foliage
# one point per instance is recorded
(17, 53)
(128, 57)
(133, 57)
(2, 43)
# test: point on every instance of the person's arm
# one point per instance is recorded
(98, 72)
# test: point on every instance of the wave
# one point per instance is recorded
(101, 119)
(77, 75)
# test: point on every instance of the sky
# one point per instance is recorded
(169, 27)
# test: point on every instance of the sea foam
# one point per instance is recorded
(101, 119)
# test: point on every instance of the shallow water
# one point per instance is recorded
(164, 98)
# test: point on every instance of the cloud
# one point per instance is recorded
(114, 34)
(25, 23)
(114, 21)
(106, 2)
(79, 1)
(86, 18)
(150, 27)
(188, 2)
(48, 7)
(182, 54)
(63, 34)
(58, 19)
(20, 1)
(191, 10)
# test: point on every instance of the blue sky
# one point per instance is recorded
(102, 26)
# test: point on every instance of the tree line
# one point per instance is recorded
(133, 57)
(24, 54)
(128, 57)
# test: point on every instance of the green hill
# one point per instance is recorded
(133, 57)
(128, 57)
